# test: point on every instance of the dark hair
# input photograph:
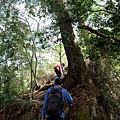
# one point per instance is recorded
(58, 81)
(63, 64)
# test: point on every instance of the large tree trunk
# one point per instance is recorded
(77, 70)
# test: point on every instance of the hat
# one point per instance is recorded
(58, 81)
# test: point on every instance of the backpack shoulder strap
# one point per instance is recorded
(60, 88)
(51, 88)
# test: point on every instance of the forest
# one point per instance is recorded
(35, 35)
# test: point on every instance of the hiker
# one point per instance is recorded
(59, 69)
(65, 96)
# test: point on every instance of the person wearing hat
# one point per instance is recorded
(58, 69)
(65, 97)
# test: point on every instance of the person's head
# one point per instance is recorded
(62, 64)
(58, 81)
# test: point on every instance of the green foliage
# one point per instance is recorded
(22, 43)
(79, 9)
(7, 85)
(84, 114)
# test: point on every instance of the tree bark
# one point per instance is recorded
(77, 70)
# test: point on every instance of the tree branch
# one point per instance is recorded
(98, 33)
(107, 11)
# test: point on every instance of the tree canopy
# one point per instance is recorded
(35, 35)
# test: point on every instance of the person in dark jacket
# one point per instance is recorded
(59, 69)
(65, 97)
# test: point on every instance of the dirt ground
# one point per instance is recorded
(23, 109)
